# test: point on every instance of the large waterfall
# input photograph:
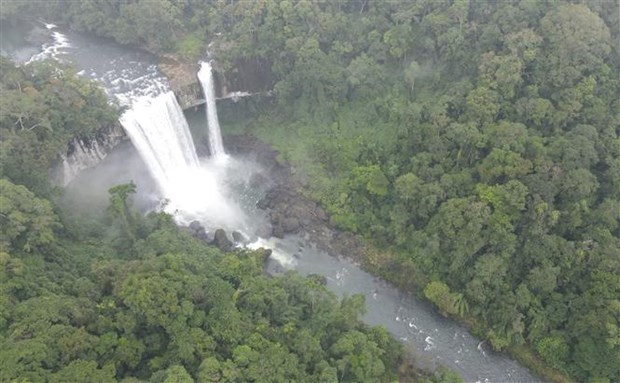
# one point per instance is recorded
(161, 135)
(159, 131)
(205, 75)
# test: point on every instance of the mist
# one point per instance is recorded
(192, 194)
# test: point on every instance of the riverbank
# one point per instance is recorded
(289, 200)
(374, 262)
(291, 211)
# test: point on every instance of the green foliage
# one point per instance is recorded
(191, 47)
(555, 351)
(162, 306)
(43, 107)
(476, 142)
(28, 222)
(449, 303)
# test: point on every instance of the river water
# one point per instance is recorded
(128, 74)
(125, 73)
(433, 339)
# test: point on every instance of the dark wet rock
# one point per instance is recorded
(290, 225)
(195, 226)
(239, 238)
(288, 210)
(305, 221)
(320, 213)
(265, 231)
(195, 229)
(276, 217)
(278, 232)
(258, 180)
(262, 204)
(202, 235)
(221, 240)
(277, 269)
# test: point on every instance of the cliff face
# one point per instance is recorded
(183, 81)
(248, 77)
(82, 153)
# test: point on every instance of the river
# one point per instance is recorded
(127, 74)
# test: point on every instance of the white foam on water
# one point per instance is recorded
(283, 258)
(53, 50)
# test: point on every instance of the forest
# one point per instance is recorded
(473, 144)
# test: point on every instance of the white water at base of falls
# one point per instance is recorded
(205, 75)
(191, 190)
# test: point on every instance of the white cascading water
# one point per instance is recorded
(205, 75)
(159, 131)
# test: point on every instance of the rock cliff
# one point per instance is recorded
(84, 153)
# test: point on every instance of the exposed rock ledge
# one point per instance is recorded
(183, 81)
(84, 153)
(288, 210)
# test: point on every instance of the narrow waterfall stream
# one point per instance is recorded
(205, 75)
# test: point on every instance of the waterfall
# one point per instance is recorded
(205, 75)
(159, 131)
(193, 191)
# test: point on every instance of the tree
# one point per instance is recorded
(119, 206)
(482, 105)
(447, 302)
(85, 371)
(28, 222)
(577, 42)
(412, 72)
(357, 358)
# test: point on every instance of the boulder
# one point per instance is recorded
(239, 238)
(265, 231)
(264, 203)
(221, 240)
(196, 226)
(281, 206)
(278, 232)
(290, 225)
(202, 234)
(275, 217)
(320, 213)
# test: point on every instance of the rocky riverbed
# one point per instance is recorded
(288, 210)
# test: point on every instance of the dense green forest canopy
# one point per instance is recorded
(42, 107)
(147, 302)
(476, 143)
